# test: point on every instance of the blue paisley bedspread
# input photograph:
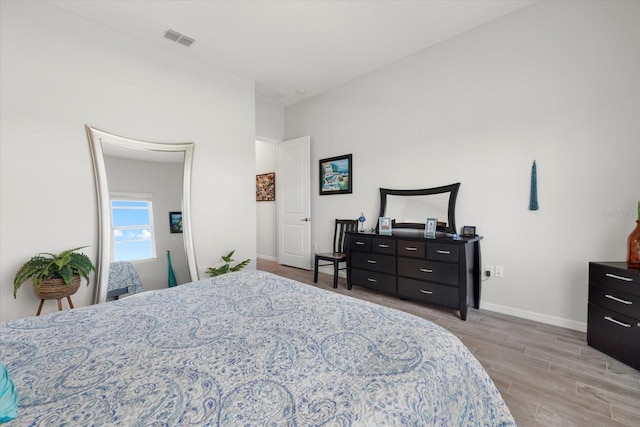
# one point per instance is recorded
(244, 349)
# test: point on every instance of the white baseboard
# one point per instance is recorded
(538, 317)
(267, 257)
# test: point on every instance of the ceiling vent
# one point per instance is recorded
(180, 38)
(187, 41)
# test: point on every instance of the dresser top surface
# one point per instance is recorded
(417, 234)
(622, 265)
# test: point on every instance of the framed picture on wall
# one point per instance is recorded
(266, 187)
(336, 175)
(175, 222)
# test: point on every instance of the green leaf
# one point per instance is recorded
(228, 258)
(241, 265)
(226, 268)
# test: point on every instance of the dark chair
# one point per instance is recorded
(339, 254)
(123, 279)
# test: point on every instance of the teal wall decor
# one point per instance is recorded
(533, 194)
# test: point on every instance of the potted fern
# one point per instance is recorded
(227, 268)
(54, 276)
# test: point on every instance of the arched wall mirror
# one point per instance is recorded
(411, 208)
(144, 209)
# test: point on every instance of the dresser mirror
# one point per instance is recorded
(129, 173)
(411, 208)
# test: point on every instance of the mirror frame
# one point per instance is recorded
(453, 194)
(95, 137)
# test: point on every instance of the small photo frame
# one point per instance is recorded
(384, 226)
(266, 187)
(430, 228)
(175, 222)
(336, 175)
(468, 231)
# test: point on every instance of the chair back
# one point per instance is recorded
(342, 226)
(122, 274)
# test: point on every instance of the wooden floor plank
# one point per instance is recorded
(547, 375)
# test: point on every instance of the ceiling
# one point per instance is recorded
(295, 49)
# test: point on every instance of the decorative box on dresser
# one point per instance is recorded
(443, 271)
(613, 325)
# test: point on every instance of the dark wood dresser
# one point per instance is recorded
(444, 270)
(614, 311)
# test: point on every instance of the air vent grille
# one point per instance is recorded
(178, 37)
(187, 41)
(172, 35)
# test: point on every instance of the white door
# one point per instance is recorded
(293, 194)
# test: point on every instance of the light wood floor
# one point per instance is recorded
(548, 375)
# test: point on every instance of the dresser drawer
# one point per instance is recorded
(430, 292)
(442, 252)
(360, 243)
(412, 248)
(383, 246)
(374, 261)
(429, 270)
(614, 334)
(374, 280)
(615, 300)
(621, 279)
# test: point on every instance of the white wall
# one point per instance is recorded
(60, 72)
(269, 120)
(266, 216)
(556, 82)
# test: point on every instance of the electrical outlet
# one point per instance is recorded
(499, 271)
(489, 270)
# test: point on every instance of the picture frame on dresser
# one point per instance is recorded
(385, 226)
(468, 231)
(430, 227)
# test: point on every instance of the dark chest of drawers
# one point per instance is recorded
(443, 271)
(613, 326)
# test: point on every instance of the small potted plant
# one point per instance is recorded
(227, 268)
(55, 275)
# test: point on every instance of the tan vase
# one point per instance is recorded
(56, 288)
(633, 247)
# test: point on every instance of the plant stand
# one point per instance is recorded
(59, 304)
(57, 289)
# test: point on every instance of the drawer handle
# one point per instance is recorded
(426, 292)
(611, 319)
(383, 246)
(618, 299)
(613, 276)
(372, 261)
(411, 249)
(426, 270)
(359, 243)
(443, 252)
(369, 279)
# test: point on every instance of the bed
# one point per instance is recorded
(246, 348)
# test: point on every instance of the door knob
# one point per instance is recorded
(306, 219)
